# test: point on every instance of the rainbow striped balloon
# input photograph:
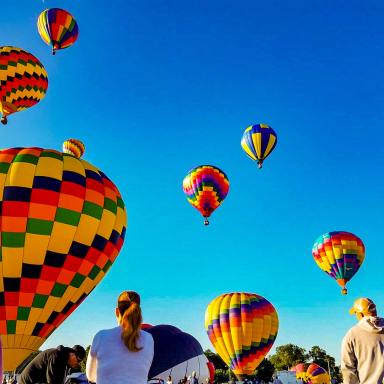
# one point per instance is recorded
(242, 328)
(57, 28)
(339, 254)
(258, 142)
(206, 186)
(23, 81)
(317, 375)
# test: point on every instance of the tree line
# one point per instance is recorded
(286, 357)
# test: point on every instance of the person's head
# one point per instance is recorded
(128, 314)
(363, 307)
(76, 356)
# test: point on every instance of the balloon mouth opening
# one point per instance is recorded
(4, 120)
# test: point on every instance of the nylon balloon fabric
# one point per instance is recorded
(339, 254)
(23, 81)
(57, 28)
(62, 224)
(258, 142)
(242, 328)
(317, 375)
(206, 186)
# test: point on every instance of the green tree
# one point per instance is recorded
(264, 371)
(287, 356)
(84, 362)
(320, 357)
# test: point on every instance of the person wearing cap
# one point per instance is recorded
(122, 355)
(362, 351)
(51, 366)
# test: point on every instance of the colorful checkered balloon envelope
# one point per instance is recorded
(57, 28)
(242, 328)
(206, 187)
(62, 225)
(339, 254)
(23, 81)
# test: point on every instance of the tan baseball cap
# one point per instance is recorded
(363, 305)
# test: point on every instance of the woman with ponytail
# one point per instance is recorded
(122, 355)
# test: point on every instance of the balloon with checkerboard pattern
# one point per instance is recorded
(62, 225)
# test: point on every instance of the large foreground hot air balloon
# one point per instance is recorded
(242, 328)
(339, 254)
(23, 81)
(62, 224)
(258, 142)
(206, 187)
(176, 353)
(57, 28)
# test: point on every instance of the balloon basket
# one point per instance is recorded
(344, 291)
(4, 120)
(259, 164)
(206, 222)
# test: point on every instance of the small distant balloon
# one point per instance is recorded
(258, 142)
(57, 28)
(206, 187)
(74, 147)
(23, 81)
(339, 254)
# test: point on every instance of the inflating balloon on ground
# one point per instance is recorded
(312, 374)
(242, 327)
(23, 81)
(63, 224)
(339, 254)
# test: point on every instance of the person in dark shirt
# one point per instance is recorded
(50, 366)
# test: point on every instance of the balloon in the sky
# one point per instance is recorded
(258, 142)
(317, 375)
(74, 147)
(176, 353)
(23, 81)
(206, 187)
(339, 254)
(62, 225)
(242, 328)
(57, 28)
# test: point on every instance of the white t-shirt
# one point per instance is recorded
(110, 361)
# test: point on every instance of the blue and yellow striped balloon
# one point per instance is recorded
(258, 142)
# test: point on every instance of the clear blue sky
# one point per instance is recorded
(156, 87)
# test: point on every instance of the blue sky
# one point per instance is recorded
(154, 88)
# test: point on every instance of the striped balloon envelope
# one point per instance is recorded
(242, 327)
(206, 186)
(62, 225)
(23, 81)
(339, 254)
(317, 375)
(258, 142)
(301, 372)
(57, 28)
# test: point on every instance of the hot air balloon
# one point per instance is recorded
(57, 28)
(312, 374)
(62, 225)
(242, 328)
(206, 187)
(339, 254)
(176, 353)
(23, 81)
(258, 142)
(211, 369)
(317, 375)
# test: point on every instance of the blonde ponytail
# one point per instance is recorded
(130, 322)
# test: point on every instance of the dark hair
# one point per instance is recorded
(128, 304)
(79, 351)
